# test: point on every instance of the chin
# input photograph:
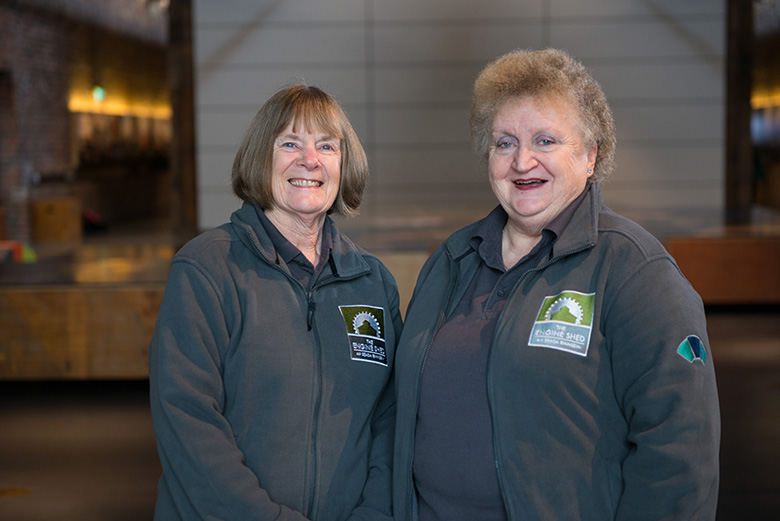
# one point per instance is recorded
(529, 210)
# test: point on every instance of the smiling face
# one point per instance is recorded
(538, 163)
(305, 174)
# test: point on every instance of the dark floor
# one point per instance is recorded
(746, 346)
(85, 450)
(76, 451)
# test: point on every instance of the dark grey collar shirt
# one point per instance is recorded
(300, 267)
(454, 464)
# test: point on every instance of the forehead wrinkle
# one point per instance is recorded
(550, 110)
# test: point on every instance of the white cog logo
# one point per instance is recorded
(362, 317)
(570, 304)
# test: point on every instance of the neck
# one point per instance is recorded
(304, 233)
(516, 243)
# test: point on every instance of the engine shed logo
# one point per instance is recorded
(366, 333)
(564, 322)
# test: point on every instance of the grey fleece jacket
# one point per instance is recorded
(600, 381)
(270, 403)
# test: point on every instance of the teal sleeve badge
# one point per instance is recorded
(692, 349)
(366, 332)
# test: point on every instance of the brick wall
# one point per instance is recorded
(13, 218)
(47, 51)
(35, 55)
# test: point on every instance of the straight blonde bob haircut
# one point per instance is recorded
(548, 74)
(317, 111)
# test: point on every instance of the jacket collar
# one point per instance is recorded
(347, 259)
(582, 230)
(580, 233)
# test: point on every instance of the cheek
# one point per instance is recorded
(334, 168)
(576, 166)
(497, 168)
(279, 164)
(577, 179)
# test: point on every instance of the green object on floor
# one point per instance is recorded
(28, 254)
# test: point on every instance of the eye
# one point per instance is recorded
(545, 141)
(329, 147)
(288, 144)
(505, 144)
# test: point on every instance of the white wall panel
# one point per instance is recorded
(224, 129)
(416, 10)
(660, 80)
(421, 202)
(237, 45)
(404, 70)
(643, 196)
(253, 85)
(670, 165)
(425, 166)
(258, 13)
(421, 126)
(359, 117)
(217, 165)
(658, 8)
(425, 84)
(636, 40)
(215, 204)
(685, 210)
(671, 123)
(454, 42)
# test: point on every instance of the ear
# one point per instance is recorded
(592, 153)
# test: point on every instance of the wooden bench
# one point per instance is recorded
(730, 269)
(89, 314)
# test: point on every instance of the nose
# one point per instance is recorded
(309, 157)
(525, 159)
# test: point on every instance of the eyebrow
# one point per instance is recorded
(320, 137)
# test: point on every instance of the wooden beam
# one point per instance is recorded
(184, 211)
(739, 150)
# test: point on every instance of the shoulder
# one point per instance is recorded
(217, 254)
(352, 257)
(453, 249)
(633, 257)
(208, 245)
(619, 233)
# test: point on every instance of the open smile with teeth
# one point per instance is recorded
(305, 183)
(530, 182)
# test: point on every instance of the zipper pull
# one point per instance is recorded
(310, 314)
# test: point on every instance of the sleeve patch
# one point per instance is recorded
(692, 349)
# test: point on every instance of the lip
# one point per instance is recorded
(299, 182)
(529, 184)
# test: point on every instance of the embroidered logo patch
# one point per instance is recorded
(564, 322)
(692, 349)
(366, 332)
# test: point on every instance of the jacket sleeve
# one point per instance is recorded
(668, 398)
(204, 476)
(376, 499)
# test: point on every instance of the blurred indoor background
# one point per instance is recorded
(119, 120)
